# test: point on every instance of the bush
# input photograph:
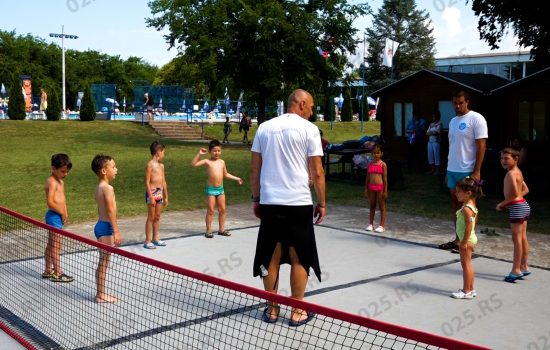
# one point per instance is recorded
(347, 111)
(87, 109)
(53, 112)
(16, 104)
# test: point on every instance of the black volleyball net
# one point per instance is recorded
(161, 306)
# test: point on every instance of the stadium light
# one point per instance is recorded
(63, 36)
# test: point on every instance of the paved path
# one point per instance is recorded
(400, 226)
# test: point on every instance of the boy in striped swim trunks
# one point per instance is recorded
(518, 212)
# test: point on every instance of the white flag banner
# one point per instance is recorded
(389, 52)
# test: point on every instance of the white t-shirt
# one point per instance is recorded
(286, 143)
(463, 132)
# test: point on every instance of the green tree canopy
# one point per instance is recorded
(16, 104)
(29, 55)
(87, 110)
(266, 48)
(401, 21)
(527, 19)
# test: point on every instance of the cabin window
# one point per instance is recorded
(531, 120)
(398, 118)
(447, 113)
(402, 113)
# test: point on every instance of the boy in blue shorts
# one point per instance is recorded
(214, 191)
(106, 229)
(56, 216)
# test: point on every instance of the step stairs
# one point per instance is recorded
(176, 130)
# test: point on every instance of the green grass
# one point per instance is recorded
(27, 146)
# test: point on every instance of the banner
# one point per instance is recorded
(389, 52)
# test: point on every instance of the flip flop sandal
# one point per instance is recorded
(310, 316)
(149, 246)
(48, 274)
(266, 316)
(448, 246)
(160, 243)
(525, 273)
(61, 278)
(209, 235)
(512, 278)
(224, 233)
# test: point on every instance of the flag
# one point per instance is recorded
(323, 53)
(3, 89)
(371, 101)
(240, 101)
(226, 97)
(340, 101)
(389, 52)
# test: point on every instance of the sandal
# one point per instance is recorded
(448, 246)
(310, 316)
(224, 233)
(266, 315)
(208, 235)
(149, 246)
(512, 277)
(48, 274)
(61, 278)
(159, 243)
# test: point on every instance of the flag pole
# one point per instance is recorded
(363, 86)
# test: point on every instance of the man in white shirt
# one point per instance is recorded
(286, 156)
(467, 142)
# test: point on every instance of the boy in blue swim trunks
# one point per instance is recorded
(156, 195)
(56, 216)
(106, 229)
(216, 170)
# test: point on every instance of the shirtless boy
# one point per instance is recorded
(106, 229)
(156, 195)
(216, 170)
(56, 216)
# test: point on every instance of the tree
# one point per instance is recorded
(53, 112)
(528, 21)
(16, 104)
(266, 48)
(401, 21)
(346, 114)
(87, 109)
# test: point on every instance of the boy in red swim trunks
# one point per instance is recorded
(376, 188)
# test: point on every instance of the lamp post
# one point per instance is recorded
(63, 36)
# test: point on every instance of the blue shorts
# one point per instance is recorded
(213, 191)
(54, 219)
(103, 228)
(454, 177)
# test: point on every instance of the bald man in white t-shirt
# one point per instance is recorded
(467, 142)
(286, 154)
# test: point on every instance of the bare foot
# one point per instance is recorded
(105, 298)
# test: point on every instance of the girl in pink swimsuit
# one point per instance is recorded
(376, 188)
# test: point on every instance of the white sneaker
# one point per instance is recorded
(461, 295)
(369, 227)
(379, 229)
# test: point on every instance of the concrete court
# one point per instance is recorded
(401, 282)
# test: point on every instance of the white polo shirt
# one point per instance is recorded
(286, 143)
(463, 132)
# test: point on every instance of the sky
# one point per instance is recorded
(117, 27)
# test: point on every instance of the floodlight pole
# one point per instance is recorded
(63, 36)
